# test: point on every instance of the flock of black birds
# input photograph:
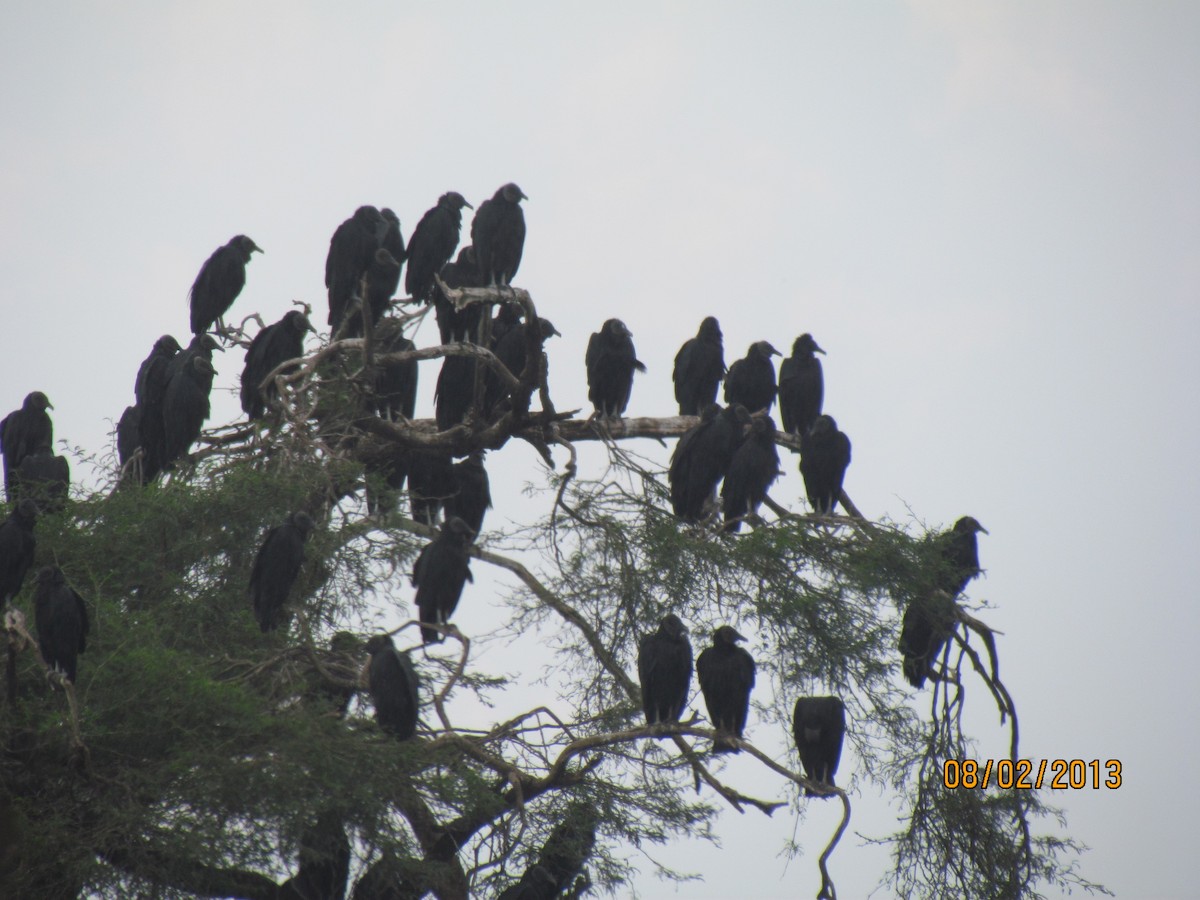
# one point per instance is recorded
(732, 448)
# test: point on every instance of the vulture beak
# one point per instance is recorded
(522, 193)
(255, 248)
(817, 349)
(467, 205)
(984, 530)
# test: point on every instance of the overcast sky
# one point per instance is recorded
(987, 214)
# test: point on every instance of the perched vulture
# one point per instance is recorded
(324, 862)
(382, 281)
(699, 368)
(62, 621)
(801, 386)
(430, 481)
(455, 324)
(751, 380)
(824, 457)
(472, 497)
(276, 567)
(17, 546)
(129, 438)
(510, 349)
(930, 619)
(819, 724)
(433, 243)
(439, 575)
(272, 346)
(454, 391)
(665, 670)
(22, 432)
(726, 675)
(351, 250)
(396, 383)
(45, 479)
(752, 471)
(394, 684)
(702, 457)
(498, 235)
(611, 362)
(186, 400)
(219, 282)
(150, 390)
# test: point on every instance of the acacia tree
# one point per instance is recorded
(200, 757)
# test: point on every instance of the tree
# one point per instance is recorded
(200, 757)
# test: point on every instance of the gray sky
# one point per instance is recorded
(986, 214)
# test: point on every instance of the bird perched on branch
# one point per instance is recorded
(611, 361)
(396, 383)
(824, 457)
(219, 282)
(702, 457)
(441, 571)
(22, 433)
(62, 621)
(17, 548)
(511, 349)
(459, 324)
(275, 344)
(752, 470)
(930, 618)
(186, 398)
(394, 684)
(430, 482)
(498, 235)
(276, 566)
(433, 243)
(726, 675)
(818, 725)
(699, 368)
(665, 670)
(351, 250)
(751, 379)
(801, 386)
(149, 390)
(44, 478)
(472, 497)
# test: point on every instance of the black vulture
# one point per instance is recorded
(611, 361)
(385, 479)
(185, 403)
(472, 497)
(62, 620)
(930, 619)
(336, 683)
(394, 683)
(150, 389)
(323, 862)
(22, 432)
(751, 379)
(220, 280)
(382, 282)
(45, 479)
(819, 724)
(433, 243)
(498, 234)
(801, 386)
(441, 571)
(536, 884)
(17, 546)
(752, 471)
(699, 368)
(129, 437)
(702, 457)
(726, 675)
(351, 249)
(510, 349)
(276, 567)
(275, 344)
(454, 391)
(567, 848)
(430, 481)
(458, 324)
(824, 456)
(396, 382)
(508, 316)
(665, 670)
(392, 240)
